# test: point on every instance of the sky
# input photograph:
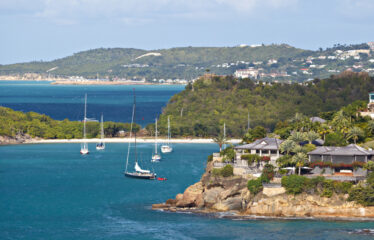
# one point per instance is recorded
(34, 30)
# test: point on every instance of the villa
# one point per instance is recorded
(337, 162)
(269, 147)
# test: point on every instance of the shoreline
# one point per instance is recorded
(236, 215)
(124, 140)
(89, 82)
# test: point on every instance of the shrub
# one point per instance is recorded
(362, 195)
(265, 158)
(251, 158)
(342, 187)
(267, 173)
(294, 184)
(309, 147)
(335, 139)
(369, 166)
(228, 154)
(210, 158)
(328, 188)
(255, 186)
(227, 171)
(285, 161)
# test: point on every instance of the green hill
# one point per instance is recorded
(204, 106)
(172, 63)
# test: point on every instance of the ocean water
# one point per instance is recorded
(50, 191)
(67, 101)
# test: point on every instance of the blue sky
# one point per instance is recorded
(50, 29)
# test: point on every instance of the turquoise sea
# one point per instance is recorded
(50, 191)
(67, 101)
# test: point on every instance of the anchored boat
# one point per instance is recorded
(138, 171)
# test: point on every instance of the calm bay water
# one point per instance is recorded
(50, 191)
(67, 101)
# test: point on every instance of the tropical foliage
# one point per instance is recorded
(13, 123)
(206, 104)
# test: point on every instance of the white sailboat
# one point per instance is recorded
(101, 144)
(166, 148)
(84, 145)
(156, 157)
(139, 172)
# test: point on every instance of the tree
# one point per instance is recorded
(255, 133)
(287, 146)
(311, 136)
(297, 137)
(335, 139)
(355, 133)
(370, 126)
(340, 122)
(220, 140)
(300, 159)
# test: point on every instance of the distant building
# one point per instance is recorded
(246, 73)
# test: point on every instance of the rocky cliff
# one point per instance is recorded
(219, 194)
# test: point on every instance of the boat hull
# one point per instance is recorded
(84, 152)
(156, 158)
(100, 147)
(166, 149)
(149, 176)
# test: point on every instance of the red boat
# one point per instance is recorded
(162, 179)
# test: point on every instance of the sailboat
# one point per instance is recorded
(84, 145)
(101, 144)
(166, 148)
(156, 157)
(139, 172)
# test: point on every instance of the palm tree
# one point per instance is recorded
(300, 159)
(323, 130)
(371, 126)
(297, 137)
(287, 146)
(311, 136)
(340, 121)
(220, 140)
(298, 149)
(355, 133)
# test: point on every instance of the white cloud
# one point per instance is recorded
(138, 11)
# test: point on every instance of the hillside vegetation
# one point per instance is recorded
(184, 62)
(13, 123)
(204, 106)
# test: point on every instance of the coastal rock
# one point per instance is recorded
(192, 196)
(211, 196)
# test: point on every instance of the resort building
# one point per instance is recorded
(269, 147)
(340, 161)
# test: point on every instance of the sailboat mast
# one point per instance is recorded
(129, 145)
(102, 126)
(169, 130)
(156, 137)
(85, 114)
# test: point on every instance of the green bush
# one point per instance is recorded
(294, 184)
(251, 158)
(255, 186)
(267, 173)
(210, 158)
(328, 188)
(342, 187)
(226, 171)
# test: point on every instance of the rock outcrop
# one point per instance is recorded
(18, 139)
(219, 194)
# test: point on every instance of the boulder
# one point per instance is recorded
(191, 196)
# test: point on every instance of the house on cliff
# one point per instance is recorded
(338, 162)
(267, 148)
